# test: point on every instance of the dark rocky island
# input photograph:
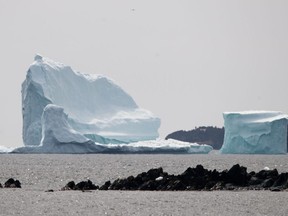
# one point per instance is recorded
(202, 135)
(194, 179)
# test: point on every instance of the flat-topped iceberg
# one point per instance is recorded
(255, 132)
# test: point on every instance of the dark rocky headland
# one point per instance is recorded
(196, 179)
(210, 135)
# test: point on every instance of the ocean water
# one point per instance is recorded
(40, 172)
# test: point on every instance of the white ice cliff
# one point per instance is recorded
(96, 106)
(255, 132)
(55, 128)
(58, 136)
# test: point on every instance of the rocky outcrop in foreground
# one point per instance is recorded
(83, 185)
(196, 178)
(11, 183)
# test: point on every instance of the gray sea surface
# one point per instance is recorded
(41, 172)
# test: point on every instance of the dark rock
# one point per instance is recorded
(192, 172)
(1, 185)
(229, 186)
(188, 175)
(50, 190)
(83, 185)
(69, 186)
(265, 174)
(11, 183)
(275, 189)
(197, 178)
(152, 174)
(140, 178)
(209, 185)
(281, 180)
(267, 183)
(124, 184)
(214, 176)
(105, 186)
(150, 185)
(143, 181)
(237, 175)
(200, 170)
(255, 181)
(115, 185)
(218, 186)
(178, 185)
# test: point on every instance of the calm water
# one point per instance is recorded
(38, 173)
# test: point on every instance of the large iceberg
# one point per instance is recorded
(97, 107)
(68, 112)
(255, 132)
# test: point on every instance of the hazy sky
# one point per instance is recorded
(186, 61)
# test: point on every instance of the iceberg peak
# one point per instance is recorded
(38, 57)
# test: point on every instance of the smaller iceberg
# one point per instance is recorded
(255, 132)
(59, 137)
(162, 146)
(4, 149)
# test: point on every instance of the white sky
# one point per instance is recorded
(187, 61)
